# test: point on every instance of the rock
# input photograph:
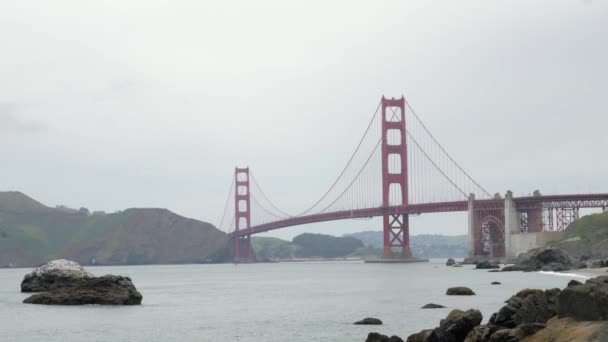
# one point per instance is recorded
(585, 302)
(512, 268)
(55, 274)
(460, 291)
(495, 283)
(569, 330)
(550, 259)
(457, 265)
(528, 306)
(419, 337)
(376, 337)
(106, 290)
(450, 262)
(440, 335)
(485, 265)
(459, 323)
(555, 267)
(433, 306)
(482, 333)
(516, 334)
(369, 321)
(553, 255)
(574, 283)
(494, 271)
(596, 264)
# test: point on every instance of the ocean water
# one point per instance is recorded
(316, 301)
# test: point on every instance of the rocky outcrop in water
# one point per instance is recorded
(433, 306)
(577, 313)
(369, 321)
(455, 327)
(486, 265)
(106, 290)
(550, 259)
(376, 337)
(460, 291)
(450, 262)
(55, 274)
(64, 282)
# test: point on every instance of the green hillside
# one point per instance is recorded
(18, 202)
(305, 246)
(31, 234)
(587, 236)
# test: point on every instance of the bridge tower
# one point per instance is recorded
(394, 149)
(243, 251)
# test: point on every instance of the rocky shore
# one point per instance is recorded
(578, 312)
(64, 282)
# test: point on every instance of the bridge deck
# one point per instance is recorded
(550, 201)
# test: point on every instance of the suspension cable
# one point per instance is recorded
(227, 202)
(266, 197)
(444, 151)
(432, 162)
(352, 157)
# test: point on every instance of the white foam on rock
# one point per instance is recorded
(67, 267)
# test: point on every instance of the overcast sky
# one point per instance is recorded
(117, 104)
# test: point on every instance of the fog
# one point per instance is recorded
(111, 105)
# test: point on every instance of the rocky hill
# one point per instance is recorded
(32, 233)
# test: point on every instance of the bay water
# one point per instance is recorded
(303, 301)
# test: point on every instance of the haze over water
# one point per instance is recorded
(315, 301)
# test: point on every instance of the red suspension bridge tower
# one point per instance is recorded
(394, 176)
(242, 208)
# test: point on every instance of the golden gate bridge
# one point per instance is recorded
(399, 169)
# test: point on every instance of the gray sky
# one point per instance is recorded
(120, 104)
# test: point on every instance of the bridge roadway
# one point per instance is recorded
(522, 203)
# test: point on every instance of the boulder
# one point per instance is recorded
(440, 335)
(553, 255)
(486, 265)
(106, 290)
(55, 274)
(433, 306)
(516, 334)
(492, 271)
(555, 267)
(596, 264)
(574, 283)
(420, 336)
(527, 306)
(459, 323)
(569, 330)
(460, 291)
(512, 268)
(585, 302)
(450, 262)
(482, 333)
(495, 283)
(376, 337)
(369, 321)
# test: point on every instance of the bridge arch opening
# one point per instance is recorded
(492, 237)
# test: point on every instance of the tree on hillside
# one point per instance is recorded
(326, 246)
